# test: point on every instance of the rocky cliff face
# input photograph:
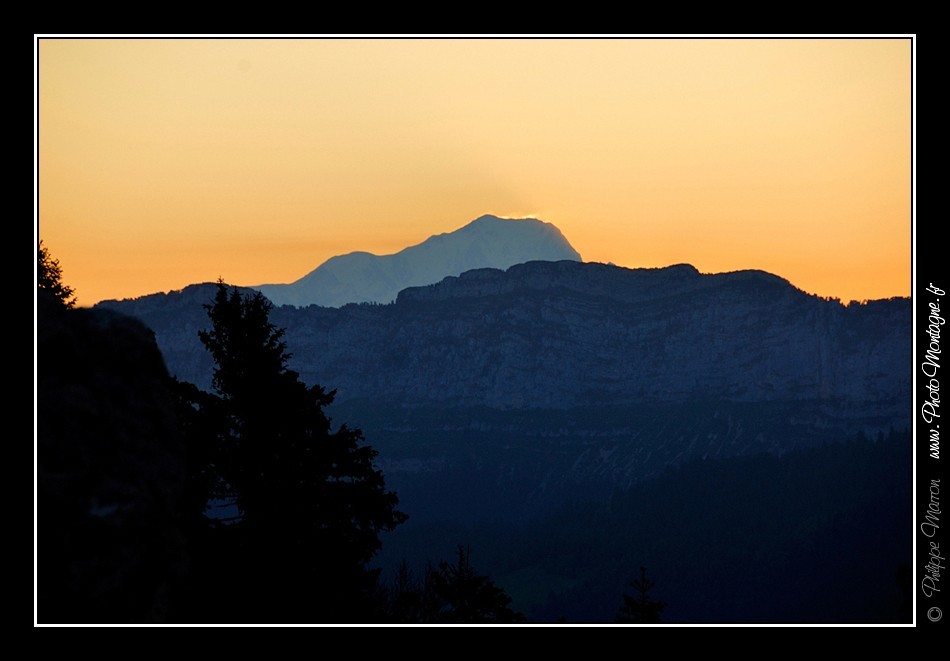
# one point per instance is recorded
(551, 335)
(551, 373)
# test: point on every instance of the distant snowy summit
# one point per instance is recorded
(486, 242)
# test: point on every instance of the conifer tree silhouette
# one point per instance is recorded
(640, 609)
(310, 502)
(468, 596)
(450, 593)
(49, 278)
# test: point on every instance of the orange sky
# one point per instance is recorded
(168, 162)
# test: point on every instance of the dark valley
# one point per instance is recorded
(530, 408)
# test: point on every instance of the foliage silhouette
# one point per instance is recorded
(49, 278)
(640, 609)
(450, 593)
(310, 503)
(411, 600)
(470, 597)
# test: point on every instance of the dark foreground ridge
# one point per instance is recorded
(110, 470)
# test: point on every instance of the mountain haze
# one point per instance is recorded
(486, 242)
(745, 440)
(583, 372)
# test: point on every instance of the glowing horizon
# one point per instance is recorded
(164, 163)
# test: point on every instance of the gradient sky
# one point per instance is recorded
(169, 162)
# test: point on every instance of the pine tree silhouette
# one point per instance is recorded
(310, 502)
(49, 278)
(469, 597)
(451, 593)
(640, 609)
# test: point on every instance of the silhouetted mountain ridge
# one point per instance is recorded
(606, 281)
(501, 401)
(487, 241)
(570, 374)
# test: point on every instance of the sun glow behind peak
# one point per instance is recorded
(520, 216)
(168, 162)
